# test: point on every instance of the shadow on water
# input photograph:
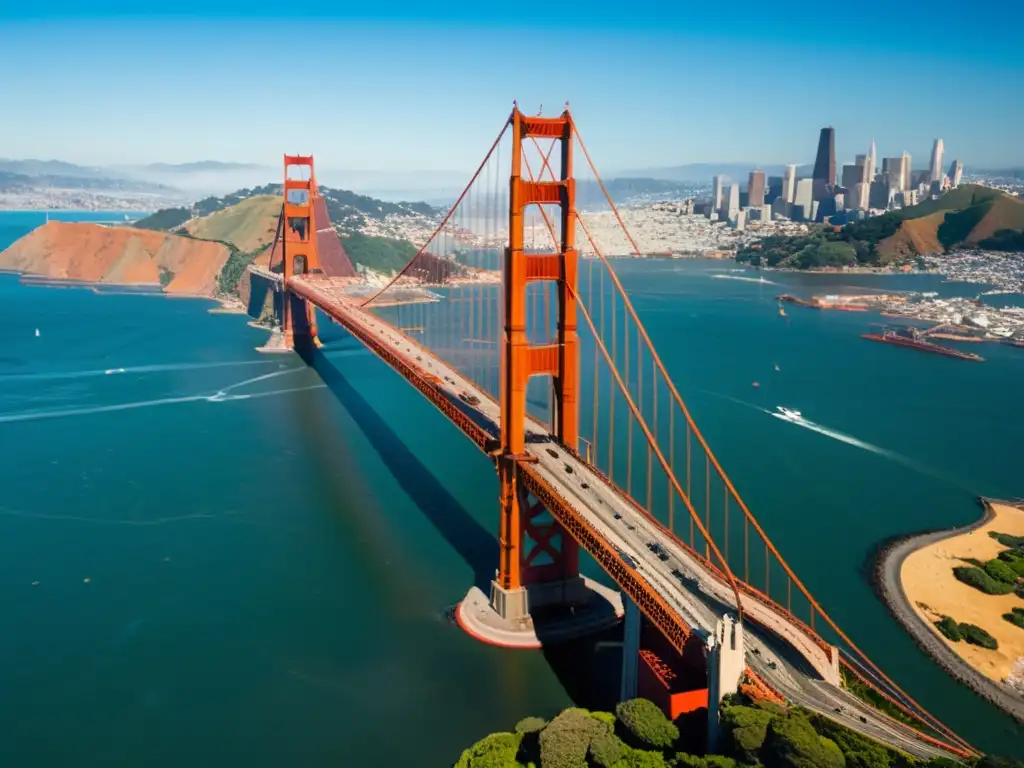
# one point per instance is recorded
(588, 668)
(474, 544)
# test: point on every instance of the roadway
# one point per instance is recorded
(785, 657)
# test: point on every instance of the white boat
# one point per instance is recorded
(37, 333)
(788, 413)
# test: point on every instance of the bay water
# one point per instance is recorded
(215, 556)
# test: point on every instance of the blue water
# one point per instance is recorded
(214, 557)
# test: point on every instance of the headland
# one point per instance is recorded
(914, 577)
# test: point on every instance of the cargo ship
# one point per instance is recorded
(912, 338)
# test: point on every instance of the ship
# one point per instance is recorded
(912, 338)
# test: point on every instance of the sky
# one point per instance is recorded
(403, 86)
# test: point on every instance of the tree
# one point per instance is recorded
(495, 751)
(646, 725)
(791, 742)
(744, 730)
(565, 742)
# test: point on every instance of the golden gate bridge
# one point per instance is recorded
(538, 356)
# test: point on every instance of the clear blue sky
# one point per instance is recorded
(424, 86)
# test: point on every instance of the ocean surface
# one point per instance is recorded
(209, 556)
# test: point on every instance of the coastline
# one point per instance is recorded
(887, 581)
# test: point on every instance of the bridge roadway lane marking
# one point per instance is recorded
(816, 695)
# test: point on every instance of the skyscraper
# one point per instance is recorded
(804, 196)
(825, 163)
(789, 183)
(872, 163)
(936, 174)
(755, 190)
(908, 182)
(956, 173)
(733, 201)
(717, 193)
(893, 168)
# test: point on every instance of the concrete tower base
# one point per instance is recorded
(538, 615)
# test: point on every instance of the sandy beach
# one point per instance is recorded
(915, 577)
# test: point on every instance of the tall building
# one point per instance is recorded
(893, 168)
(755, 189)
(908, 181)
(717, 203)
(730, 202)
(825, 163)
(804, 195)
(936, 174)
(789, 183)
(872, 162)
(774, 189)
(956, 173)
(853, 175)
(860, 160)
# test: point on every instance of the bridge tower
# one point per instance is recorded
(298, 247)
(539, 562)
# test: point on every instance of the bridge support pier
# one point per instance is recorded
(632, 624)
(726, 663)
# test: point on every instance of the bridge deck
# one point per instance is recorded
(681, 594)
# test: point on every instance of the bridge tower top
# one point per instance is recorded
(299, 249)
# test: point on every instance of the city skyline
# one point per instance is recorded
(385, 86)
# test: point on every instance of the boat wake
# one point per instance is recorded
(794, 417)
(136, 369)
(221, 396)
(761, 280)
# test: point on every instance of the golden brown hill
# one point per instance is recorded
(967, 215)
(95, 253)
(248, 225)
(915, 236)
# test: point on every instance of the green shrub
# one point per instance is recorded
(1014, 558)
(1007, 540)
(565, 741)
(641, 758)
(1015, 617)
(977, 636)
(833, 754)
(943, 762)
(166, 277)
(1000, 571)
(646, 724)
(791, 742)
(744, 729)
(608, 718)
(979, 579)
(950, 628)
(858, 751)
(495, 751)
(605, 749)
(530, 725)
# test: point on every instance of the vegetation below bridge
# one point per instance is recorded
(638, 735)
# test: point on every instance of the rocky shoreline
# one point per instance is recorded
(887, 561)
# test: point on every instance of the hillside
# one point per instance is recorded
(349, 212)
(249, 225)
(95, 253)
(969, 216)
